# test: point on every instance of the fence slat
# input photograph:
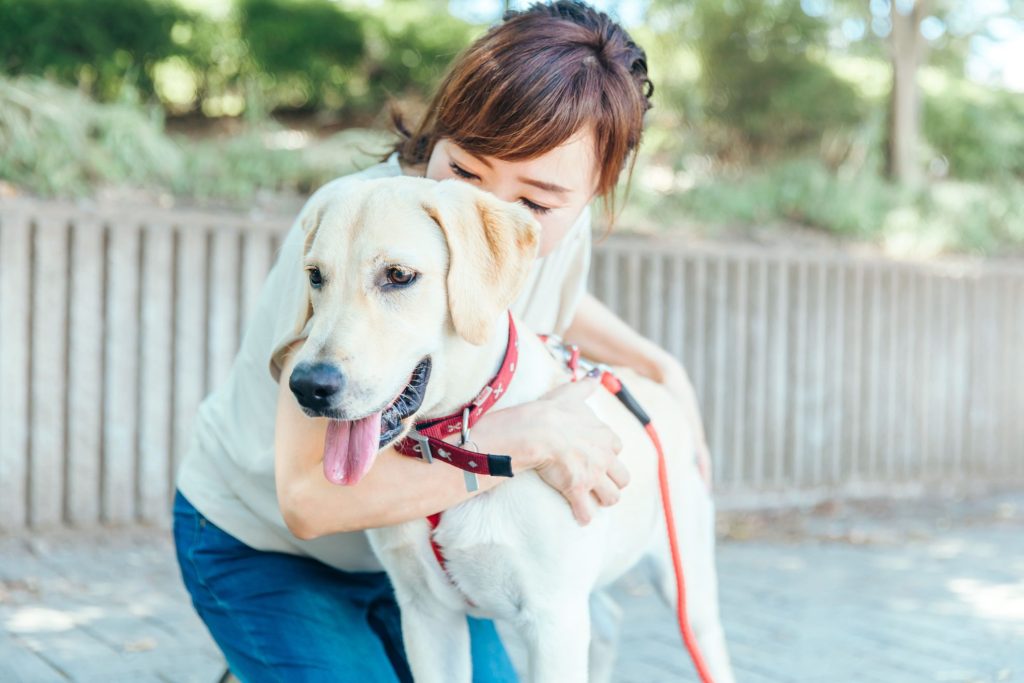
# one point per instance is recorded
(630, 303)
(818, 373)
(155, 373)
(800, 377)
(85, 372)
(741, 390)
(782, 360)
(720, 301)
(15, 330)
(758, 432)
(655, 300)
(49, 373)
(675, 334)
(854, 376)
(120, 413)
(189, 336)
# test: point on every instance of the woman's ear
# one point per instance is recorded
(491, 247)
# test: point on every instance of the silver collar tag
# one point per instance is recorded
(472, 483)
(422, 445)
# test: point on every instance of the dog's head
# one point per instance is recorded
(403, 272)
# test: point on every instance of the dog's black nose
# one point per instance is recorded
(315, 385)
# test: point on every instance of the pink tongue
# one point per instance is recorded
(349, 449)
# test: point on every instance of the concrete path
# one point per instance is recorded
(909, 591)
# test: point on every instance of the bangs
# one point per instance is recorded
(532, 83)
(517, 100)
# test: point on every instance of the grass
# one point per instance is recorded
(943, 216)
(56, 142)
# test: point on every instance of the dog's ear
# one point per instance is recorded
(310, 224)
(491, 246)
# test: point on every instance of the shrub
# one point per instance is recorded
(301, 49)
(758, 79)
(102, 46)
(55, 140)
(981, 134)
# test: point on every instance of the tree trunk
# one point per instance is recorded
(907, 53)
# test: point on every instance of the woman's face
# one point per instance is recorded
(555, 186)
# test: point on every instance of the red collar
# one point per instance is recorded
(426, 438)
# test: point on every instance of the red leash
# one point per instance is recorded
(612, 384)
(426, 443)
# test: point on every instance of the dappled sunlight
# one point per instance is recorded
(998, 601)
(32, 619)
(286, 139)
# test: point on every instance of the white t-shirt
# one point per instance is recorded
(228, 470)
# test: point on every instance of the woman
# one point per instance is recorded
(545, 109)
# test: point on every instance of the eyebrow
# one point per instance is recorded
(548, 187)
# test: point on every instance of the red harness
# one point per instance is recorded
(426, 442)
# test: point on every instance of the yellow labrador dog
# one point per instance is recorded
(410, 281)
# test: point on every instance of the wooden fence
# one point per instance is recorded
(819, 374)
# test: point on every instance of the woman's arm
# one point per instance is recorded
(558, 436)
(606, 338)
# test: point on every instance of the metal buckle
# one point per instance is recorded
(563, 353)
(423, 446)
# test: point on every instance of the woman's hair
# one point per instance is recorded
(534, 80)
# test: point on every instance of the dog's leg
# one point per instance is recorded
(606, 632)
(557, 637)
(694, 513)
(436, 642)
(434, 627)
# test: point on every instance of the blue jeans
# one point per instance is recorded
(281, 617)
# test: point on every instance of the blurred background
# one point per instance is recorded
(825, 224)
(895, 125)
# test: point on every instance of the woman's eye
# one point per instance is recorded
(400, 277)
(536, 208)
(461, 172)
(316, 279)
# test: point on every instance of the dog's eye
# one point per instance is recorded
(400, 277)
(316, 279)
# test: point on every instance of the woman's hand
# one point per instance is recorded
(565, 442)
(604, 337)
(674, 378)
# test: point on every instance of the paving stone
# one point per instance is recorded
(877, 592)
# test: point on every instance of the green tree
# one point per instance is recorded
(759, 76)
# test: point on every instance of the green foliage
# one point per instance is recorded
(403, 56)
(302, 48)
(102, 46)
(56, 141)
(979, 132)
(854, 203)
(759, 79)
(265, 56)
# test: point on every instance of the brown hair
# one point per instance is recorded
(532, 82)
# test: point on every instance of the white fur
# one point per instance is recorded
(514, 553)
(519, 556)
